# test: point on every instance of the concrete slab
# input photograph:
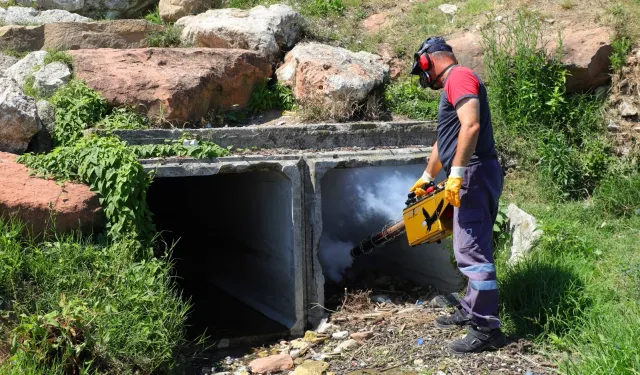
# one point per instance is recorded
(297, 137)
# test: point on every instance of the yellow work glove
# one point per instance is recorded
(453, 184)
(417, 187)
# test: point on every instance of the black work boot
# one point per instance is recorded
(458, 319)
(478, 339)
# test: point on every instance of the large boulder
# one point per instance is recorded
(172, 10)
(50, 78)
(173, 84)
(30, 16)
(28, 65)
(18, 117)
(110, 34)
(21, 38)
(325, 75)
(268, 31)
(586, 54)
(109, 9)
(36, 202)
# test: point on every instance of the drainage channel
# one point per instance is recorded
(260, 237)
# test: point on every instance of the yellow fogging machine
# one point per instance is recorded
(427, 218)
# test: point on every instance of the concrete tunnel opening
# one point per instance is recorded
(358, 202)
(235, 254)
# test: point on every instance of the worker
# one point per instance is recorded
(465, 150)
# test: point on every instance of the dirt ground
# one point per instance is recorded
(398, 337)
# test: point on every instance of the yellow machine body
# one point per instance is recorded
(430, 219)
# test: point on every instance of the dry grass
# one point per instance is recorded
(342, 107)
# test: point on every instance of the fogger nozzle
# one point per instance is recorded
(389, 233)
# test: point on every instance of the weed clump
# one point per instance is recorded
(409, 99)
(58, 56)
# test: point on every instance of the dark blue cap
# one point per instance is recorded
(430, 45)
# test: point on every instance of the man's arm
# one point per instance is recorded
(468, 110)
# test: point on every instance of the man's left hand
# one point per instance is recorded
(453, 185)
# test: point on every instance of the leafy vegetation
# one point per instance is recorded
(84, 307)
(112, 170)
(267, 96)
(409, 99)
(169, 36)
(77, 108)
(154, 16)
(58, 56)
(123, 118)
(201, 150)
(618, 58)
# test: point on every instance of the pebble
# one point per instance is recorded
(498, 19)
(340, 335)
(295, 353)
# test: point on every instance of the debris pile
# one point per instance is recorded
(391, 333)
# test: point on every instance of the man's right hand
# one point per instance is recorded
(417, 187)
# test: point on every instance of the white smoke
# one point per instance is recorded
(362, 201)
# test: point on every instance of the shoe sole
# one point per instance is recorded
(480, 350)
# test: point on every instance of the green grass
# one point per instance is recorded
(407, 98)
(16, 54)
(169, 36)
(102, 305)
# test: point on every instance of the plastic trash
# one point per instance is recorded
(420, 341)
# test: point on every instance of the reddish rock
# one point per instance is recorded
(362, 336)
(586, 54)
(374, 22)
(271, 364)
(467, 47)
(396, 66)
(33, 200)
(172, 84)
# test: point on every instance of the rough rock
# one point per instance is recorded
(389, 57)
(172, 10)
(51, 77)
(28, 16)
(21, 38)
(33, 200)
(109, 9)
(335, 75)
(586, 55)
(177, 84)
(524, 233)
(374, 22)
(628, 109)
(43, 140)
(448, 9)
(29, 64)
(311, 368)
(6, 61)
(268, 31)
(18, 117)
(111, 34)
(274, 363)
(468, 50)
(362, 336)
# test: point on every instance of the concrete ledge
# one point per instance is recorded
(297, 137)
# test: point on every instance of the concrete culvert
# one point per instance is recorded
(235, 255)
(355, 200)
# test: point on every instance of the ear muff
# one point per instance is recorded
(425, 62)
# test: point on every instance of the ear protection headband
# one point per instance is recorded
(423, 63)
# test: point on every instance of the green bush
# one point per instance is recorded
(123, 118)
(409, 99)
(97, 307)
(77, 108)
(267, 96)
(204, 150)
(154, 16)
